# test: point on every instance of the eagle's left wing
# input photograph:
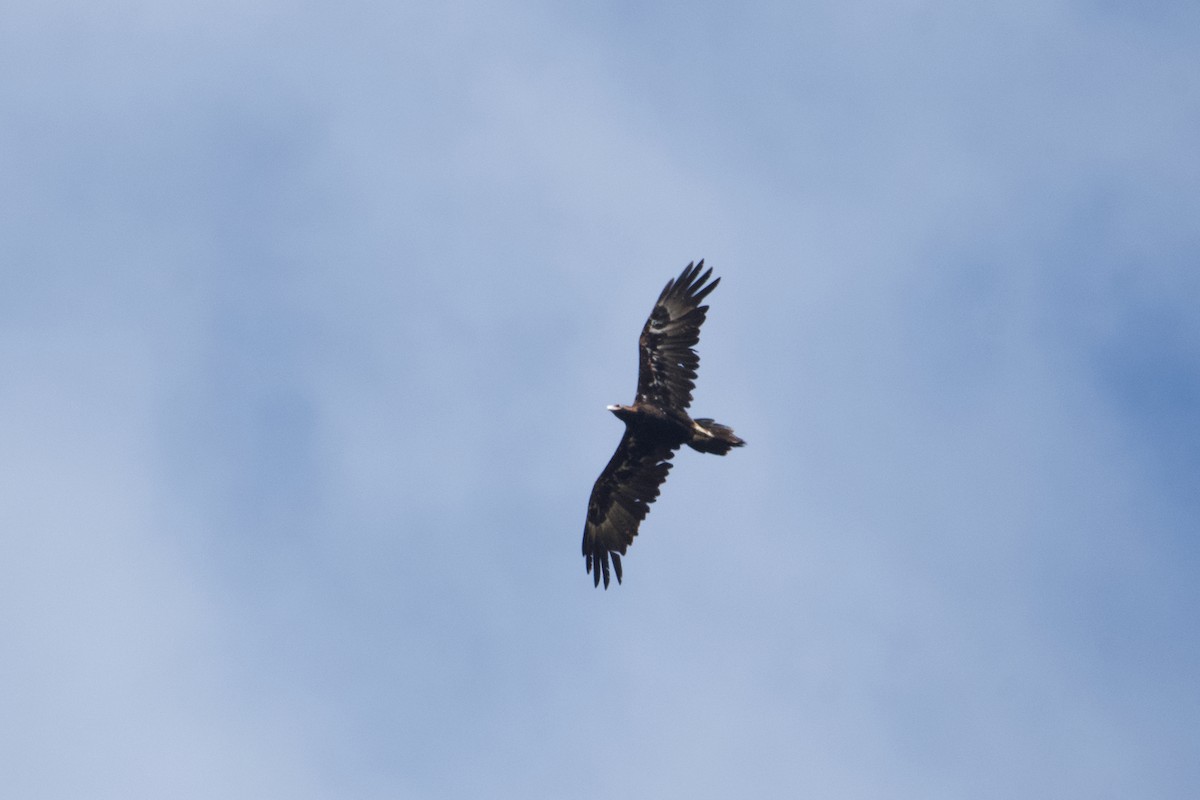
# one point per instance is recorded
(667, 363)
(620, 500)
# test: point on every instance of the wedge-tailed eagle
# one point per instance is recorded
(656, 425)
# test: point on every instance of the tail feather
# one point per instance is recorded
(712, 437)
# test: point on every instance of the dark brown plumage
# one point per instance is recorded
(656, 425)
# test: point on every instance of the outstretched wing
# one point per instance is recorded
(620, 500)
(667, 365)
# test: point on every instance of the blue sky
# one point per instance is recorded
(310, 315)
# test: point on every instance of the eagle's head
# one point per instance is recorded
(623, 413)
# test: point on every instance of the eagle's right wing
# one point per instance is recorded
(620, 500)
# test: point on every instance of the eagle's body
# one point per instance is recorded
(656, 425)
(651, 422)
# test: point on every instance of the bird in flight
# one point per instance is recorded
(656, 425)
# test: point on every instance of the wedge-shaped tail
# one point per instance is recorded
(712, 437)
